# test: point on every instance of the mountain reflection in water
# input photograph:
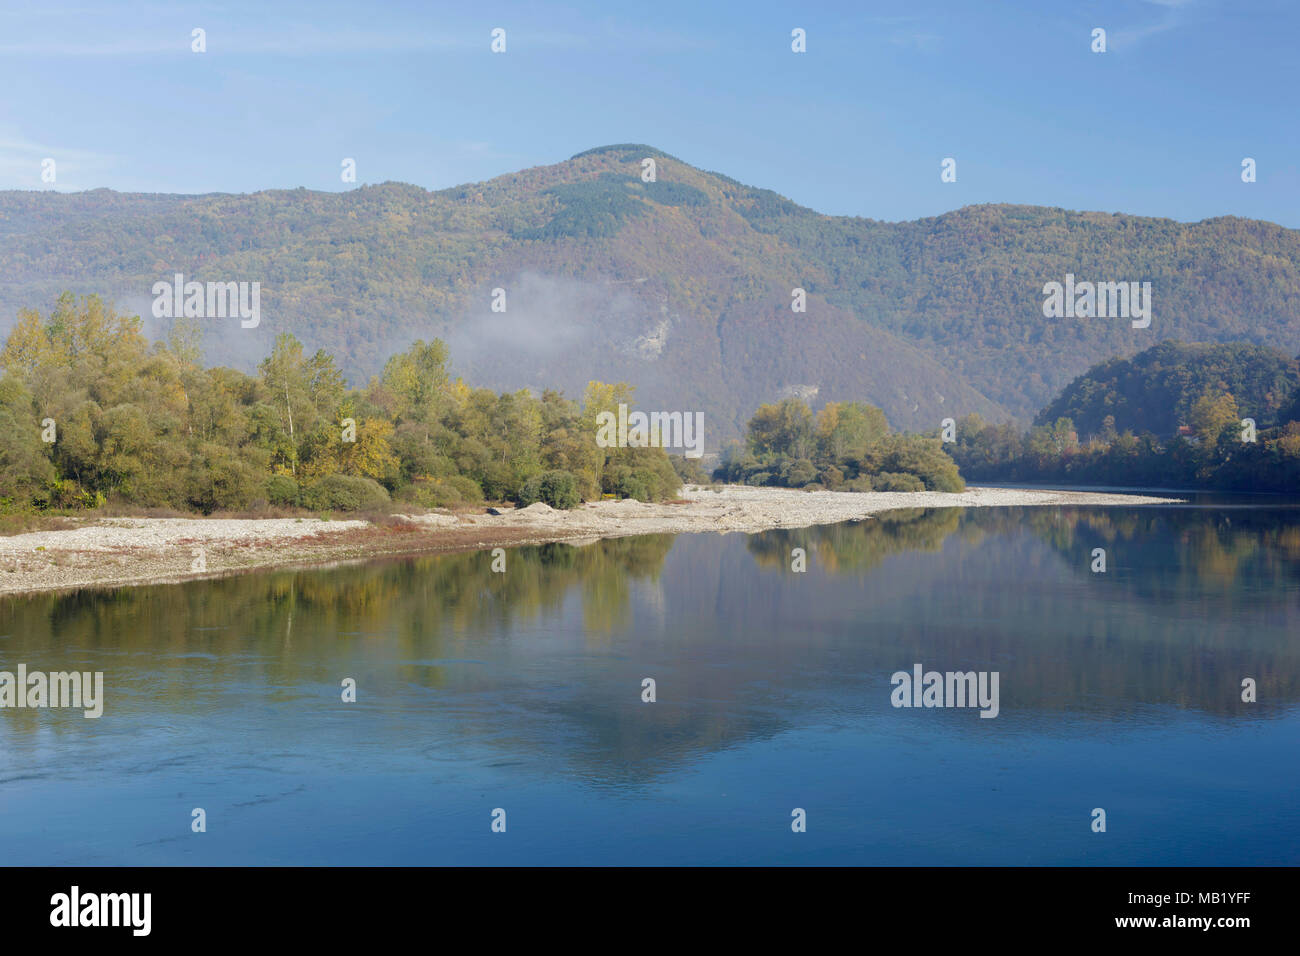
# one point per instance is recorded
(522, 690)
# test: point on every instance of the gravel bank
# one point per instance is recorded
(113, 552)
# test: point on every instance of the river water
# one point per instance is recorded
(522, 692)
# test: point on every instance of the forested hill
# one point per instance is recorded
(681, 286)
(1154, 391)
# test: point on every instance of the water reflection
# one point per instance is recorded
(534, 676)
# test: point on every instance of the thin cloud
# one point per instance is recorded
(1174, 18)
(1130, 37)
(220, 42)
(20, 164)
(304, 40)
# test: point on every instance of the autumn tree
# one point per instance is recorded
(785, 428)
(1211, 414)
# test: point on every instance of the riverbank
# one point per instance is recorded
(115, 552)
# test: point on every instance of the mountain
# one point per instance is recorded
(1155, 390)
(681, 285)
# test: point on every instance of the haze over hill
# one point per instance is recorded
(681, 286)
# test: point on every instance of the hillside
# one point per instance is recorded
(1155, 390)
(681, 286)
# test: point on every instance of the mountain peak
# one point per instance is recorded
(639, 150)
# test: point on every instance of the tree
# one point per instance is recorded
(1211, 414)
(25, 465)
(417, 377)
(785, 428)
(185, 341)
(298, 388)
(846, 429)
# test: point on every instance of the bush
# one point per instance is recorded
(282, 491)
(913, 455)
(634, 486)
(446, 492)
(653, 481)
(345, 493)
(559, 489)
(646, 474)
(688, 470)
(797, 472)
(831, 477)
(64, 493)
(860, 483)
(897, 481)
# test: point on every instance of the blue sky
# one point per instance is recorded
(858, 125)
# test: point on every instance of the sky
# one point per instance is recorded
(859, 124)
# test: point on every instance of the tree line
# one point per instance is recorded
(1214, 416)
(1216, 455)
(92, 412)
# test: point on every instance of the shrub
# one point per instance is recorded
(913, 455)
(466, 488)
(445, 492)
(646, 479)
(281, 490)
(797, 472)
(635, 486)
(345, 493)
(64, 493)
(688, 470)
(897, 481)
(559, 489)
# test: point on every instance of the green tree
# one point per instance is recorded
(417, 377)
(1211, 414)
(785, 428)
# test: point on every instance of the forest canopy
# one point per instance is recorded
(93, 412)
(1176, 416)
